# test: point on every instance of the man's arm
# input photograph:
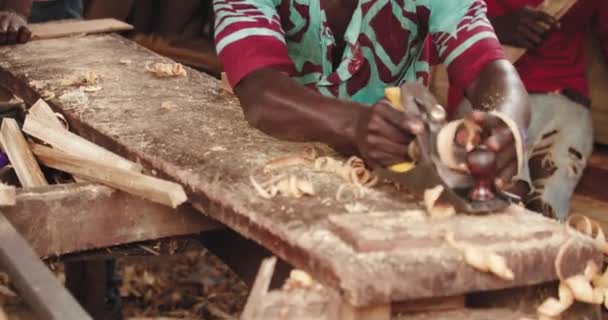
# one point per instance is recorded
(467, 45)
(251, 45)
(13, 21)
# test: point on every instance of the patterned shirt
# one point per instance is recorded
(386, 42)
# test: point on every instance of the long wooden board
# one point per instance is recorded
(66, 28)
(205, 144)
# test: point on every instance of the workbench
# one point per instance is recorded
(374, 251)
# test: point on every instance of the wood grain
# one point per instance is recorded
(20, 156)
(65, 28)
(68, 218)
(42, 112)
(71, 143)
(147, 187)
(206, 145)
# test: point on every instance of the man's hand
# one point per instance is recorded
(524, 28)
(497, 137)
(384, 133)
(13, 28)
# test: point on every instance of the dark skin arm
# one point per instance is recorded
(287, 110)
(13, 22)
(525, 28)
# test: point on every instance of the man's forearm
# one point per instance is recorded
(279, 106)
(499, 87)
(22, 7)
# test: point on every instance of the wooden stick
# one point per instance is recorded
(555, 8)
(74, 144)
(8, 195)
(22, 160)
(151, 188)
(42, 112)
(259, 289)
(66, 28)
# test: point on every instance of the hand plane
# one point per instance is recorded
(467, 186)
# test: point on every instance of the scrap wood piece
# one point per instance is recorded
(59, 29)
(74, 144)
(42, 112)
(259, 289)
(166, 70)
(8, 195)
(151, 188)
(22, 160)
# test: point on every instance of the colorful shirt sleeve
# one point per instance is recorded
(248, 37)
(463, 38)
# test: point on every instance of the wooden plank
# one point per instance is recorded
(33, 280)
(206, 145)
(8, 195)
(22, 160)
(70, 218)
(73, 144)
(66, 28)
(259, 290)
(147, 187)
(555, 8)
(377, 312)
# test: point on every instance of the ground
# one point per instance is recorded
(191, 285)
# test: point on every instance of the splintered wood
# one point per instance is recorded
(22, 160)
(259, 290)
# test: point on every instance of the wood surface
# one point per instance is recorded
(205, 144)
(8, 195)
(70, 143)
(33, 280)
(21, 158)
(66, 28)
(68, 218)
(42, 112)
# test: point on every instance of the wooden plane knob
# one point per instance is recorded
(482, 165)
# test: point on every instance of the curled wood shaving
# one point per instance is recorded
(284, 162)
(589, 228)
(299, 279)
(353, 170)
(473, 131)
(435, 210)
(446, 147)
(166, 70)
(553, 307)
(481, 259)
(87, 78)
(288, 186)
(357, 191)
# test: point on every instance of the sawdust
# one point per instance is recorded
(168, 106)
(85, 78)
(125, 61)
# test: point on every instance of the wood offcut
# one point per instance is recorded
(21, 158)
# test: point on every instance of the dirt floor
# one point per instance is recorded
(191, 285)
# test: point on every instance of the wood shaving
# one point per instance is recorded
(283, 185)
(446, 149)
(434, 209)
(86, 78)
(166, 70)
(590, 228)
(288, 161)
(356, 191)
(481, 259)
(299, 279)
(125, 61)
(91, 88)
(47, 95)
(473, 131)
(353, 170)
(168, 106)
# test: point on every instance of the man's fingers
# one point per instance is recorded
(399, 120)
(380, 126)
(500, 139)
(504, 177)
(506, 157)
(383, 158)
(530, 35)
(11, 35)
(546, 18)
(24, 35)
(396, 150)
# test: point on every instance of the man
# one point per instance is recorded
(317, 70)
(15, 14)
(553, 70)
(309, 71)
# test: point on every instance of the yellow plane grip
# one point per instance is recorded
(393, 95)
